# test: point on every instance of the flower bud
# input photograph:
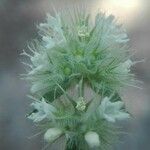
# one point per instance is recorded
(81, 105)
(83, 31)
(52, 134)
(92, 139)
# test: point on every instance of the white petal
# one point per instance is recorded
(44, 111)
(111, 111)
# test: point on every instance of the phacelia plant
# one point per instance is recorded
(76, 72)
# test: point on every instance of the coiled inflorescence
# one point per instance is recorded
(75, 53)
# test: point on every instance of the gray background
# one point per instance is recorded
(17, 26)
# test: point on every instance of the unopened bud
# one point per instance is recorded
(52, 134)
(92, 139)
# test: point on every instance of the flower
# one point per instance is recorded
(111, 111)
(71, 52)
(125, 67)
(52, 134)
(81, 105)
(83, 31)
(70, 48)
(54, 33)
(92, 139)
(43, 111)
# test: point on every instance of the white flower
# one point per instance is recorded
(112, 110)
(52, 134)
(49, 42)
(52, 31)
(124, 68)
(43, 111)
(92, 139)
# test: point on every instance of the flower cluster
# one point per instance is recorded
(73, 51)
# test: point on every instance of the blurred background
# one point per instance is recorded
(18, 19)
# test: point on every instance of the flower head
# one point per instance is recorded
(71, 53)
(69, 49)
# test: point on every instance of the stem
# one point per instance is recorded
(81, 88)
(73, 147)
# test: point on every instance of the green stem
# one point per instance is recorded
(81, 88)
